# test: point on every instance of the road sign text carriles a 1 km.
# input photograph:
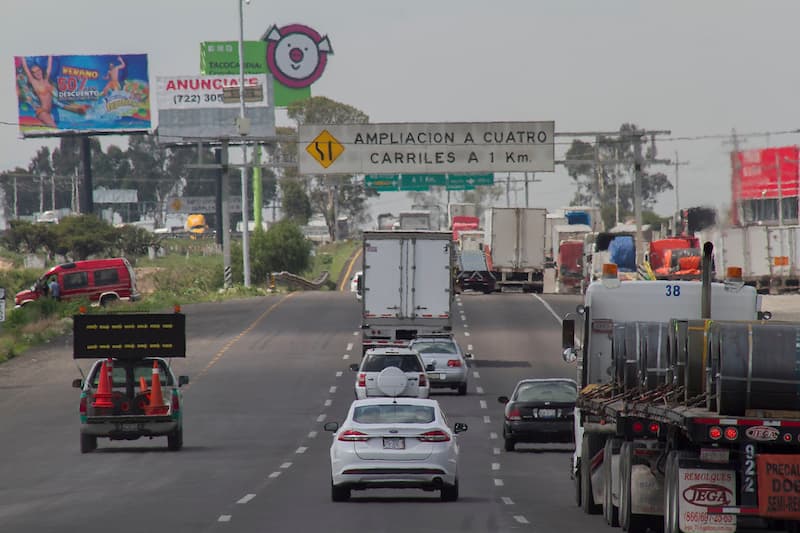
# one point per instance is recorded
(416, 148)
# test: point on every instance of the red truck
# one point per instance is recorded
(676, 258)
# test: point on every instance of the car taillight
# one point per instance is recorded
(436, 435)
(82, 405)
(352, 435)
(176, 402)
(423, 380)
(453, 363)
(513, 414)
(362, 380)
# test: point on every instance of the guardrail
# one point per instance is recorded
(298, 282)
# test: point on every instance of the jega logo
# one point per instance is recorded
(708, 495)
(762, 433)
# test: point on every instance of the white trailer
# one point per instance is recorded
(517, 237)
(415, 220)
(407, 285)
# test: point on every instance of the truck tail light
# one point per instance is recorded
(731, 433)
(715, 433)
(362, 380)
(352, 435)
(423, 380)
(454, 363)
(514, 414)
(654, 427)
(436, 435)
(637, 427)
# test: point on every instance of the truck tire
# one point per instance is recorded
(589, 447)
(575, 473)
(610, 512)
(671, 516)
(88, 443)
(628, 521)
(175, 440)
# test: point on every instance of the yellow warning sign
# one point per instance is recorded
(325, 149)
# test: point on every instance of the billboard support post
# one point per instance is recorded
(226, 234)
(242, 131)
(87, 202)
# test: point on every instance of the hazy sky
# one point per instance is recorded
(696, 67)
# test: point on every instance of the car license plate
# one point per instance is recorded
(547, 413)
(394, 443)
(130, 427)
(442, 377)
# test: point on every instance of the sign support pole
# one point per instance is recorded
(245, 224)
(226, 220)
(87, 202)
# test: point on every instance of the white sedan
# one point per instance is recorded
(354, 284)
(394, 443)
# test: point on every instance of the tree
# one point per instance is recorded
(283, 247)
(296, 204)
(333, 196)
(84, 235)
(600, 183)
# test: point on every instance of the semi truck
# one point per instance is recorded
(407, 285)
(688, 412)
(516, 239)
(414, 220)
(460, 210)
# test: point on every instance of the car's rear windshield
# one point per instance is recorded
(394, 414)
(377, 362)
(434, 347)
(547, 391)
(121, 372)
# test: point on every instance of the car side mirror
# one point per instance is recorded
(183, 380)
(331, 426)
(77, 383)
(430, 368)
(354, 367)
(459, 427)
(568, 333)
(569, 355)
(468, 355)
(503, 399)
(764, 315)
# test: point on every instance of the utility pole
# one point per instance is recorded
(737, 178)
(16, 210)
(244, 129)
(53, 191)
(41, 194)
(527, 199)
(677, 217)
(637, 193)
(226, 220)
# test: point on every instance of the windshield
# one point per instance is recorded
(377, 362)
(424, 347)
(394, 414)
(546, 391)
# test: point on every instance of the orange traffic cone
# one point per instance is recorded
(143, 388)
(102, 398)
(157, 405)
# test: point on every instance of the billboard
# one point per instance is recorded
(67, 94)
(427, 148)
(206, 92)
(755, 173)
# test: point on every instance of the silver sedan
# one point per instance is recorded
(446, 363)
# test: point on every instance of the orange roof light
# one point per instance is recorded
(177, 308)
(734, 273)
(609, 270)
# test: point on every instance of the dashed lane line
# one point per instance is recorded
(301, 449)
(498, 482)
(487, 420)
(339, 374)
(507, 500)
(466, 333)
(346, 356)
(483, 404)
(521, 519)
(275, 474)
(322, 417)
(224, 518)
(496, 451)
(332, 390)
(469, 347)
(311, 435)
(495, 466)
(349, 346)
(286, 465)
(479, 390)
(328, 402)
(476, 374)
(493, 435)
(354, 333)
(246, 498)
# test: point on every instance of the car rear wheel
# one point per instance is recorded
(450, 492)
(175, 440)
(339, 494)
(462, 389)
(88, 443)
(509, 445)
(106, 300)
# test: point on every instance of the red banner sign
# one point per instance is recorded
(756, 173)
(779, 486)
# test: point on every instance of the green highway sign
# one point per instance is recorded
(421, 182)
(467, 182)
(387, 182)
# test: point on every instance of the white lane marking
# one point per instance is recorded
(476, 374)
(246, 498)
(507, 500)
(224, 518)
(346, 356)
(466, 333)
(311, 435)
(328, 402)
(349, 346)
(322, 417)
(465, 327)
(493, 435)
(469, 347)
(495, 466)
(521, 519)
(332, 390)
(498, 482)
(286, 465)
(274, 474)
(483, 404)
(487, 420)
(496, 451)
(339, 374)
(459, 303)
(479, 390)
(463, 317)
(301, 449)
(355, 333)
(547, 306)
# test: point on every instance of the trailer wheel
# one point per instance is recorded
(576, 481)
(671, 511)
(610, 512)
(634, 523)
(589, 447)
(88, 443)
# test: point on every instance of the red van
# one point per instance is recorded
(101, 280)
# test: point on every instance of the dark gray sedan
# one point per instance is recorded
(540, 410)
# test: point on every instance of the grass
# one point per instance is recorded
(332, 257)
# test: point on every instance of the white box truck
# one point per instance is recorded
(517, 237)
(407, 286)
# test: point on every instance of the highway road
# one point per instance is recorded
(266, 374)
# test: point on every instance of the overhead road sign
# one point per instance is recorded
(417, 148)
(467, 182)
(383, 183)
(423, 182)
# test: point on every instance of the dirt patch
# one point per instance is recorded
(144, 279)
(5, 264)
